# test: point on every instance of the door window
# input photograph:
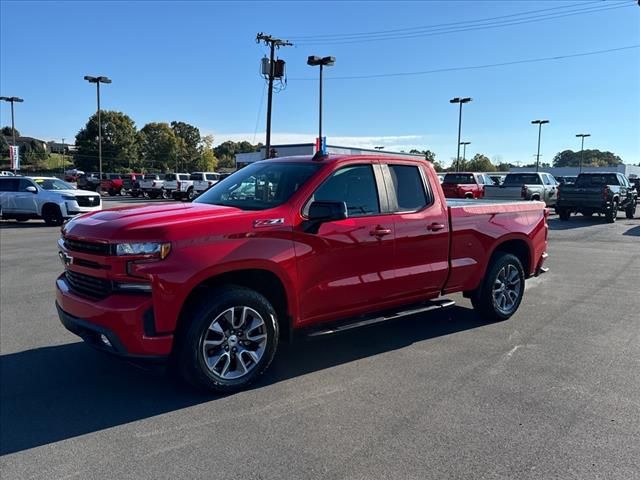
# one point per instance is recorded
(24, 183)
(409, 188)
(545, 179)
(354, 185)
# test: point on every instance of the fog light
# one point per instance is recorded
(105, 340)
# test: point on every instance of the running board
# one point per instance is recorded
(379, 318)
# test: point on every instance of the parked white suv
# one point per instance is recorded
(49, 198)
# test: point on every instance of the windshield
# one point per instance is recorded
(259, 186)
(458, 178)
(52, 184)
(522, 179)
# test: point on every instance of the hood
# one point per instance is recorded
(156, 222)
(75, 193)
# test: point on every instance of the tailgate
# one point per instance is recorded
(494, 191)
(580, 195)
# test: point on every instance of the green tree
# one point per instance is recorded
(592, 158)
(6, 131)
(479, 163)
(189, 151)
(119, 142)
(226, 152)
(159, 147)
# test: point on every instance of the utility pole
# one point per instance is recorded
(62, 170)
(272, 43)
(539, 123)
(460, 101)
(13, 100)
(98, 81)
(582, 135)
(464, 151)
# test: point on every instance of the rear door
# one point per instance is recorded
(8, 192)
(346, 267)
(421, 229)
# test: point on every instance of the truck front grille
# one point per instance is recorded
(89, 286)
(95, 248)
(88, 201)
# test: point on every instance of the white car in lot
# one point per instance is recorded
(49, 198)
(202, 181)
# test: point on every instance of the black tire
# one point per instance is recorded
(630, 211)
(190, 195)
(190, 356)
(112, 192)
(483, 300)
(163, 194)
(612, 214)
(564, 214)
(51, 215)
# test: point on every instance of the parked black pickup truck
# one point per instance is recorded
(597, 193)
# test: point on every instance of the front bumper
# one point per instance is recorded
(71, 209)
(124, 319)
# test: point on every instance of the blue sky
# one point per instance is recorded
(198, 62)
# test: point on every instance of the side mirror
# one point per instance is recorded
(322, 212)
(31, 189)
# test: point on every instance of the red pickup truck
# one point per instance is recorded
(283, 246)
(465, 184)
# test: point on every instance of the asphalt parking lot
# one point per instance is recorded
(554, 392)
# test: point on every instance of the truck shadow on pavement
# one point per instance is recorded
(54, 393)
(578, 221)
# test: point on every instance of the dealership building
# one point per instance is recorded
(291, 149)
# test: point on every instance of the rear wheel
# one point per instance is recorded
(164, 194)
(564, 214)
(51, 215)
(501, 291)
(190, 194)
(230, 341)
(612, 214)
(630, 211)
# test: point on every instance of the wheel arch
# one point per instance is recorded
(262, 280)
(520, 247)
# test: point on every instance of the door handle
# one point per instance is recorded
(380, 232)
(434, 227)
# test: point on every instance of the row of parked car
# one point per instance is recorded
(179, 186)
(588, 193)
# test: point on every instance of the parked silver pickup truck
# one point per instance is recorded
(539, 186)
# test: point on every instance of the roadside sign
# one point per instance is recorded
(14, 157)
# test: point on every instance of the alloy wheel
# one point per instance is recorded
(506, 289)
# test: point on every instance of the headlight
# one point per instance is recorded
(68, 197)
(148, 248)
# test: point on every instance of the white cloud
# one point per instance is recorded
(389, 142)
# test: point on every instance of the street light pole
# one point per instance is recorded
(460, 101)
(98, 81)
(464, 151)
(539, 123)
(318, 61)
(582, 135)
(13, 100)
(63, 157)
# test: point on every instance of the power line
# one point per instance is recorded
(408, 29)
(476, 67)
(469, 27)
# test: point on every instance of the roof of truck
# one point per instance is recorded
(330, 158)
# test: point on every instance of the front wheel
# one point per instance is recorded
(612, 214)
(501, 291)
(230, 341)
(51, 215)
(630, 211)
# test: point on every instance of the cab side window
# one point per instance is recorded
(546, 180)
(9, 185)
(409, 186)
(355, 185)
(24, 183)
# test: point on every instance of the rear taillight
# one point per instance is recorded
(178, 185)
(605, 192)
(523, 192)
(558, 192)
(210, 183)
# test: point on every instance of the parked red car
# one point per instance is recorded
(284, 246)
(111, 183)
(465, 184)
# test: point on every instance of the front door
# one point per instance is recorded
(26, 202)
(346, 267)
